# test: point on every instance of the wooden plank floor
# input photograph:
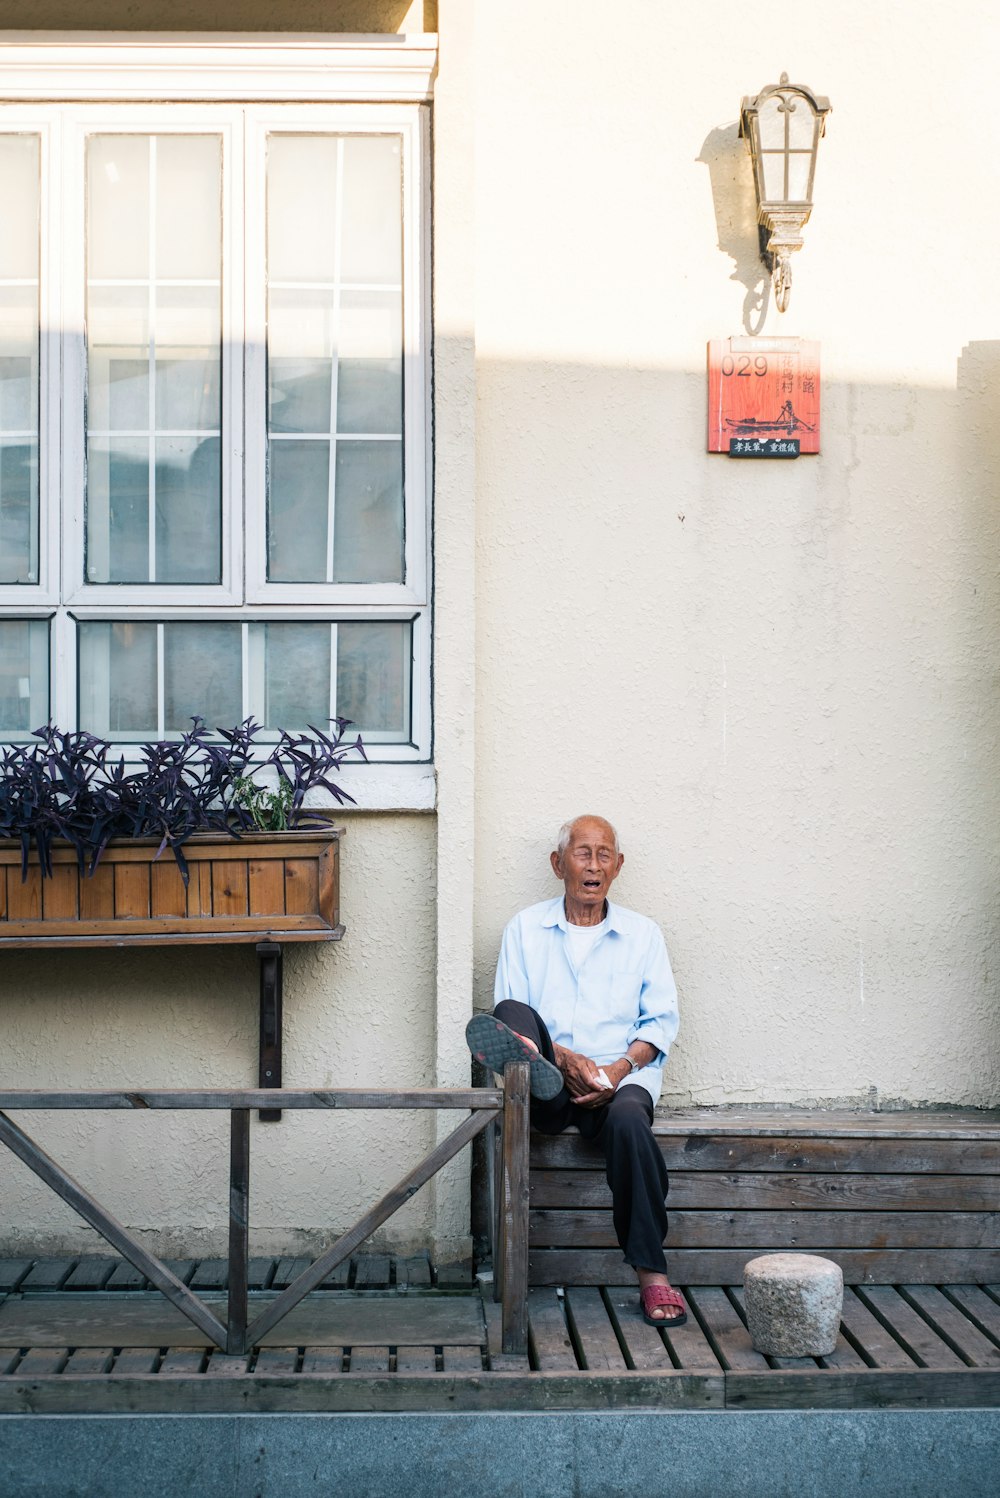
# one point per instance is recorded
(78, 1344)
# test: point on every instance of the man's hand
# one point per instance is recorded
(579, 1071)
(581, 1076)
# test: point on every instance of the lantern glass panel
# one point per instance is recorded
(799, 163)
(771, 124)
(773, 174)
(800, 124)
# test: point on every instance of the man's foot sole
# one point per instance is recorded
(494, 1044)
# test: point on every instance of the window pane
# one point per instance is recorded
(19, 345)
(154, 360)
(296, 673)
(334, 357)
(368, 546)
(799, 163)
(24, 676)
(188, 537)
(373, 678)
(302, 173)
(118, 679)
(370, 374)
(202, 674)
(117, 510)
(298, 511)
(373, 204)
(300, 360)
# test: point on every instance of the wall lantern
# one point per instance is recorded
(782, 127)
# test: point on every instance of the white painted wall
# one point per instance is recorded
(780, 680)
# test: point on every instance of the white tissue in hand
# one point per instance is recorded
(603, 1080)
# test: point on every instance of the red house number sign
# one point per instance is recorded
(763, 397)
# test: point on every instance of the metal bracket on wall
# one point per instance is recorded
(269, 953)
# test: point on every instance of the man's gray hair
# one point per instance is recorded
(566, 832)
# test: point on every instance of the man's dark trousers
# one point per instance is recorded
(636, 1173)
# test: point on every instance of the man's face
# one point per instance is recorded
(590, 865)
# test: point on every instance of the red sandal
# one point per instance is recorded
(653, 1296)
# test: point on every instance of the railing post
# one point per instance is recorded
(239, 1228)
(514, 1207)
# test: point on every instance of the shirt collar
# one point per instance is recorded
(556, 916)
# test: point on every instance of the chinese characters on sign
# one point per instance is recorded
(763, 397)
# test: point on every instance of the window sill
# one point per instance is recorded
(384, 787)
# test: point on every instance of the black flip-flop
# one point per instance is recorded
(494, 1043)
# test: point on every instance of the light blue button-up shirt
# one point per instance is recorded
(623, 991)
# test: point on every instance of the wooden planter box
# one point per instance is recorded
(271, 886)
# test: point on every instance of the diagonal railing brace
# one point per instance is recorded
(348, 1242)
(71, 1192)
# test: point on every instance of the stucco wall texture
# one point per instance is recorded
(779, 679)
(359, 1012)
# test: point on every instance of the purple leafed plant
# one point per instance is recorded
(69, 786)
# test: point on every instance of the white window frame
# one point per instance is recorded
(223, 84)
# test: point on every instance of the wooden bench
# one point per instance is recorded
(895, 1198)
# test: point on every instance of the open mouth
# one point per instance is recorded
(592, 884)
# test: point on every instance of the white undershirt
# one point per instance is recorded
(581, 939)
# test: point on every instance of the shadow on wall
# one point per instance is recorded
(731, 176)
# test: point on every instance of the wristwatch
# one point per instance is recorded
(633, 1065)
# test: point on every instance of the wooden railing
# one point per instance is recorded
(506, 1109)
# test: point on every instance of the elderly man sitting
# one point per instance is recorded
(584, 992)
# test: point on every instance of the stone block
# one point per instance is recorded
(793, 1304)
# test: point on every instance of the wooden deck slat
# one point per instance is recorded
(885, 1302)
(183, 1360)
(12, 1273)
(211, 1274)
(727, 1335)
(339, 1278)
(272, 1360)
(288, 1270)
(369, 1360)
(871, 1336)
(844, 1356)
(795, 1231)
(414, 1272)
(811, 1155)
(326, 1360)
(646, 1349)
(92, 1273)
(462, 1359)
(832, 1388)
(710, 1266)
(789, 1191)
(126, 1277)
(226, 1365)
(9, 1358)
(63, 1320)
(594, 1331)
(948, 1321)
(372, 1272)
(38, 1361)
(547, 1332)
(416, 1360)
(978, 1307)
(48, 1274)
(132, 1361)
(89, 1360)
(259, 1273)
